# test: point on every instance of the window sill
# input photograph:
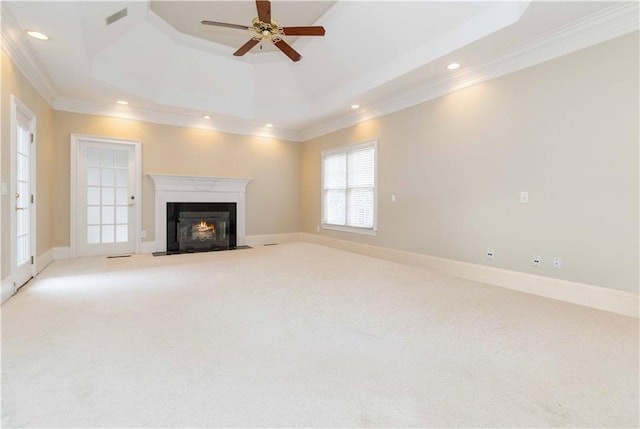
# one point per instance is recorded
(350, 229)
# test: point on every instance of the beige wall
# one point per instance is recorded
(273, 197)
(14, 83)
(566, 131)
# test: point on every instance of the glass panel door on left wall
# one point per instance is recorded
(23, 212)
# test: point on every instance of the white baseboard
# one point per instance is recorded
(149, 247)
(61, 253)
(8, 289)
(602, 298)
(65, 252)
(43, 261)
(8, 285)
(261, 240)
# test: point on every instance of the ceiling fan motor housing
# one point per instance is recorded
(265, 30)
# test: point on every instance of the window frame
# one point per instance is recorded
(346, 149)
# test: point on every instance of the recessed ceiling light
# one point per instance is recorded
(37, 35)
(124, 103)
(269, 125)
(207, 117)
(453, 66)
(355, 106)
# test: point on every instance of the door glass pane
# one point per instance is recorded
(93, 157)
(108, 177)
(107, 196)
(93, 196)
(122, 159)
(122, 196)
(93, 215)
(93, 234)
(108, 158)
(93, 176)
(108, 215)
(107, 233)
(122, 178)
(122, 233)
(122, 214)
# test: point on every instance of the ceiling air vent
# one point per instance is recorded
(116, 16)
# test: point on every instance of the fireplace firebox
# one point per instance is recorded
(200, 227)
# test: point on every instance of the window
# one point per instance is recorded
(349, 188)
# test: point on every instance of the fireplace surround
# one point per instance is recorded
(196, 189)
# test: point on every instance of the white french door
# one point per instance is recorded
(23, 179)
(107, 191)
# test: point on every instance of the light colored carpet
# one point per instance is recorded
(303, 335)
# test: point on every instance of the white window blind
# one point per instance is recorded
(348, 181)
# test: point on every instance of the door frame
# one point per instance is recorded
(16, 106)
(75, 153)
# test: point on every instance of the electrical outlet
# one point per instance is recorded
(393, 198)
(536, 261)
(317, 228)
(524, 197)
(143, 234)
(556, 263)
(490, 254)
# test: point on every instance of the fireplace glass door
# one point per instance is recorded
(200, 227)
(203, 231)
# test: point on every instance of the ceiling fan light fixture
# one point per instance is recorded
(453, 66)
(207, 117)
(37, 35)
(355, 106)
(269, 125)
(264, 27)
(122, 102)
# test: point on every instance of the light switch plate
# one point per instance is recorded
(5, 188)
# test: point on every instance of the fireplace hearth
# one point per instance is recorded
(200, 227)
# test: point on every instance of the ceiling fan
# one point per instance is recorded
(263, 27)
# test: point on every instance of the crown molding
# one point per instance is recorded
(607, 24)
(176, 117)
(17, 47)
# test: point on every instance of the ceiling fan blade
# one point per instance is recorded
(288, 50)
(224, 24)
(246, 47)
(264, 11)
(303, 31)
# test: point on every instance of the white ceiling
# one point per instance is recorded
(381, 55)
(185, 17)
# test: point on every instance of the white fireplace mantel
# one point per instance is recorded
(172, 188)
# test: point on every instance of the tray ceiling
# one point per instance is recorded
(172, 69)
